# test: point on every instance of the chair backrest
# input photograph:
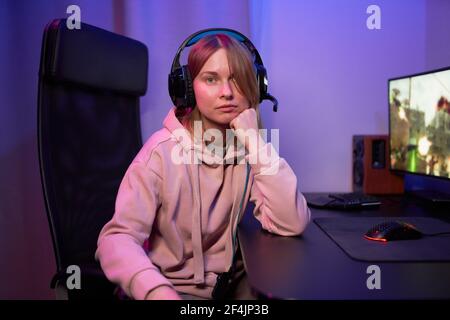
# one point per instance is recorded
(90, 81)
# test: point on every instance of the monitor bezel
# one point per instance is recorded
(400, 171)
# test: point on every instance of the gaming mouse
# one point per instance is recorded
(393, 230)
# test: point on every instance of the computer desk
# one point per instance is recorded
(312, 266)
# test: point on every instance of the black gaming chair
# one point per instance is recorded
(90, 81)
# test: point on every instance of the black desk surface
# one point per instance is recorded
(312, 266)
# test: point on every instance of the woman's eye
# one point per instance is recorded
(210, 80)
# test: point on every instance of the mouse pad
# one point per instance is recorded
(348, 234)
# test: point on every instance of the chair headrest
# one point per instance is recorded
(94, 57)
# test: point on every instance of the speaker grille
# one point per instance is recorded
(358, 163)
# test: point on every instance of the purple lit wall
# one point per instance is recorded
(328, 71)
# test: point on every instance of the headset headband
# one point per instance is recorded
(194, 38)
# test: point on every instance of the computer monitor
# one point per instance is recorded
(419, 123)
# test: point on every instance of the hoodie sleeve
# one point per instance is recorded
(279, 207)
(119, 247)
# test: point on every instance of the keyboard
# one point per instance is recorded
(354, 199)
(344, 201)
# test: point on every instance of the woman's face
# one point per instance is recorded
(218, 99)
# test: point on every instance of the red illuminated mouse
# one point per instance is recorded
(393, 230)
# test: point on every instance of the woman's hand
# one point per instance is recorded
(163, 293)
(245, 127)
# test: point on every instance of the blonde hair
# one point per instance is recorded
(241, 65)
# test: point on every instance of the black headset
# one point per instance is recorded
(181, 89)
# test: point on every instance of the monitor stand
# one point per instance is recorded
(432, 197)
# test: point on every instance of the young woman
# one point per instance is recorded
(184, 196)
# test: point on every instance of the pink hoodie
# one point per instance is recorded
(186, 211)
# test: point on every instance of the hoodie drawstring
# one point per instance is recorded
(197, 246)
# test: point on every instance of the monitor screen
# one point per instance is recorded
(419, 123)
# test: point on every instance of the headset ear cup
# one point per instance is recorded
(177, 89)
(180, 88)
(190, 95)
(261, 78)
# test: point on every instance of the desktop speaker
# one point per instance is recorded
(371, 173)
